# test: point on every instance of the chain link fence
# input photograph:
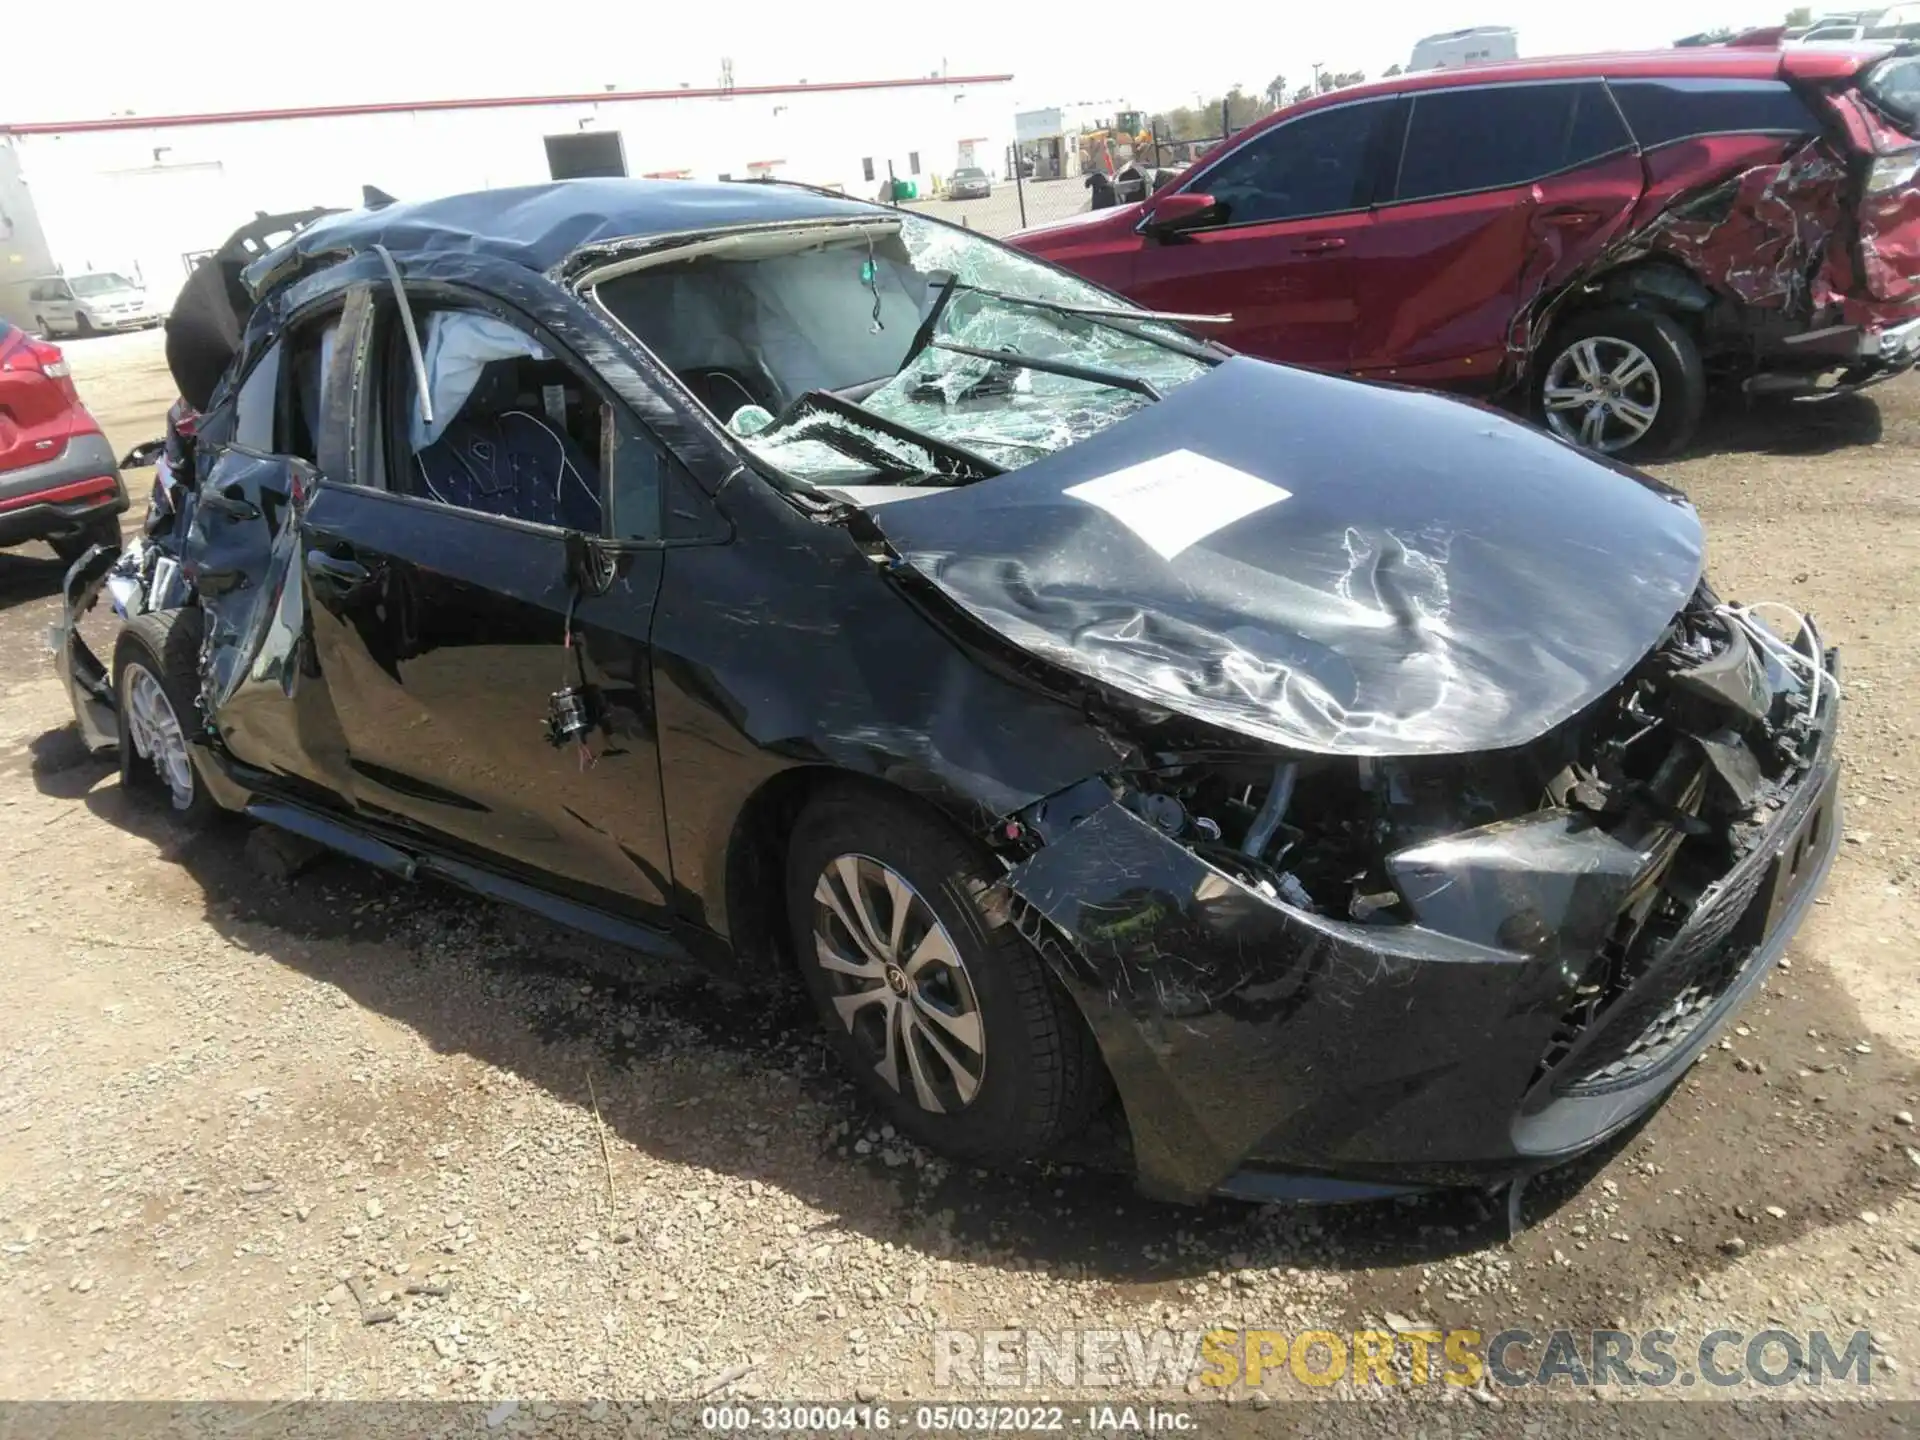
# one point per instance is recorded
(1029, 189)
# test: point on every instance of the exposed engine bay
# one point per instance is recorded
(1681, 766)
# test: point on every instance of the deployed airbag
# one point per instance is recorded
(458, 346)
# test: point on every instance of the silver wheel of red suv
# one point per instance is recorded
(1602, 392)
(1627, 383)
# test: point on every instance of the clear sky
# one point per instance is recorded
(153, 57)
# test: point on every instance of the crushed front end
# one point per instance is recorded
(1338, 977)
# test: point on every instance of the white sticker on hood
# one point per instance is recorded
(1178, 499)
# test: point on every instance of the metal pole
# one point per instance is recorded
(1226, 117)
(893, 195)
(1019, 187)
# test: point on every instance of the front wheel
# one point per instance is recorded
(1623, 383)
(156, 686)
(950, 1021)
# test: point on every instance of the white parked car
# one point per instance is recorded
(1843, 34)
(86, 304)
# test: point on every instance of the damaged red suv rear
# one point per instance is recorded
(58, 478)
(1597, 239)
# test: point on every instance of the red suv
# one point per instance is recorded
(1597, 237)
(58, 478)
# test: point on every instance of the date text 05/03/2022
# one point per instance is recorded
(940, 1419)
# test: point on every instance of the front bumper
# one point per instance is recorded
(58, 496)
(131, 320)
(1893, 345)
(1265, 1052)
(88, 686)
(1870, 342)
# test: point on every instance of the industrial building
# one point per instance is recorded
(148, 195)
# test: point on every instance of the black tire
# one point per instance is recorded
(82, 326)
(1042, 1076)
(1676, 361)
(42, 328)
(100, 530)
(166, 646)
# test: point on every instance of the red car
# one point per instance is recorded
(59, 481)
(1596, 237)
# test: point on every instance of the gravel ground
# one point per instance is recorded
(341, 1137)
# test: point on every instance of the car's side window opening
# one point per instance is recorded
(1467, 140)
(1681, 107)
(514, 430)
(253, 407)
(305, 400)
(636, 466)
(1316, 165)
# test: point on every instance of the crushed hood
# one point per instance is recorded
(1336, 567)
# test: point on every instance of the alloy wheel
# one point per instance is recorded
(898, 983)
(156, 733)
(1602, 393)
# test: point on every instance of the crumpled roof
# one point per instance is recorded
(538, 226)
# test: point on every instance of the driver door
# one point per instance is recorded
(502, 544)
(1295, 204)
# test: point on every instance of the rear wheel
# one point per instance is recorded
(949, 1020)
(1623, 383)
(156, 685)
(100, 530)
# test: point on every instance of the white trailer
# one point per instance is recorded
(1456, 49)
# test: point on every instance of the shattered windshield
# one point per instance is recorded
(903, 351)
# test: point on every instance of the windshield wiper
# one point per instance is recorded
(1203, 350)
(950, 461)
(1049, 366)
(923, 337)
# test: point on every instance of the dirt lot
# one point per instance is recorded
(239, 1119)
(1002, 212)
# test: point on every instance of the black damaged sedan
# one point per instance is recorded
(1367, 787)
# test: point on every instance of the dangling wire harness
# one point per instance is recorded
(1810, 666)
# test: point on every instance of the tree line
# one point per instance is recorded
(1241, 108)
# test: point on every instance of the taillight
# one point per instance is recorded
(1890, 172)
(53, 363)
(37, 355)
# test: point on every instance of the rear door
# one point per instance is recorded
(1279, 260)
(1500, 190)
(261, 455)
(499, 552)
